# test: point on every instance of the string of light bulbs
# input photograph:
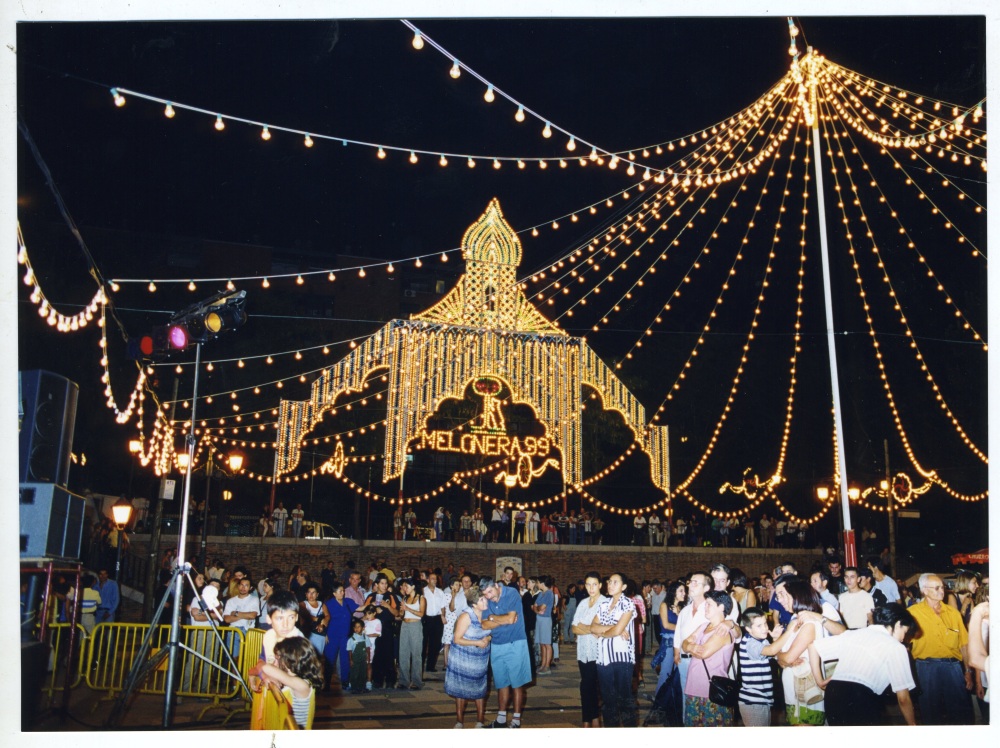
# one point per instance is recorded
(895, 302)
(887, 388)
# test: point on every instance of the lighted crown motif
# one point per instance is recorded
(487, 295)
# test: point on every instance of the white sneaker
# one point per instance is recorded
(480, 724)
(458, 726)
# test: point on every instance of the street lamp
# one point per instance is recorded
(134, 448)
(235, 462)
(122, 513)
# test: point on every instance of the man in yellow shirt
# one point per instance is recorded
(940, 654)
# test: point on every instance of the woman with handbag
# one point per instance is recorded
(712, 646)
(803, 697)
(315, 617)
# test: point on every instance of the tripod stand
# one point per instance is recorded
(142, 667)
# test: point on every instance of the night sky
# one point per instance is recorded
(142, 188)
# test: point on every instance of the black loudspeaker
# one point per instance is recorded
(51, 521)
(48, 404)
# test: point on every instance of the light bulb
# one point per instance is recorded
(308, 141)
(571, 145)
(418, 40)
(418, 263)
(299, 281)
(381, 152)
(390, 268)
(520, 114)
(543, 164)
(413, 157)
(361, 273)
(219, 124)
(471, 163)
(152, 287)
(547, 131)
(331, 277)
(444, 257)
(266, 283)
(191, 286)
(265, 134)
(496, 164)
(489, 96)
(520, 164)
(443, 161)
(119, 99)
(168, 111)
(455, 69)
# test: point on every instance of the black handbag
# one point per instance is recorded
(722, 690)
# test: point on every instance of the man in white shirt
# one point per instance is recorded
(654, 528)
(241, 611)
(298, 514)
(280, 517)
(856, 605)
(639, 523)
(432, 622)
(868, 661)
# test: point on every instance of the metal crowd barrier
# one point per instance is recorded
(57, 637)
(253, 642)
(113, 648)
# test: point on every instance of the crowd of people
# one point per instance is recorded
(829, 645)
(833, 645)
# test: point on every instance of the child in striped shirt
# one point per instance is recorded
(298, 669)
(756, 684)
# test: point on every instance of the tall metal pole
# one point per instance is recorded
(153, 567)
(892, 513)
(175, 613)
(274, 483)
(209, 471)
(850, 549)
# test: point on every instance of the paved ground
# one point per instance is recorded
(552, 702)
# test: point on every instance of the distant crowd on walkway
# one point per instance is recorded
(503, 524)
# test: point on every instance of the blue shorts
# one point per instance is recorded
(511, 665)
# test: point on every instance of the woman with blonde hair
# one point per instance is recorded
(962, 596)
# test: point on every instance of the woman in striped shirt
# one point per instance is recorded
(616, 654)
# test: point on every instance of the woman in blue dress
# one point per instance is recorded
(468, 659)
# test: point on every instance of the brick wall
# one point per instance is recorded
(565, 563)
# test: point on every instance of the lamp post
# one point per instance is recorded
(235, 462)
(134, 448)
(122, 513)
